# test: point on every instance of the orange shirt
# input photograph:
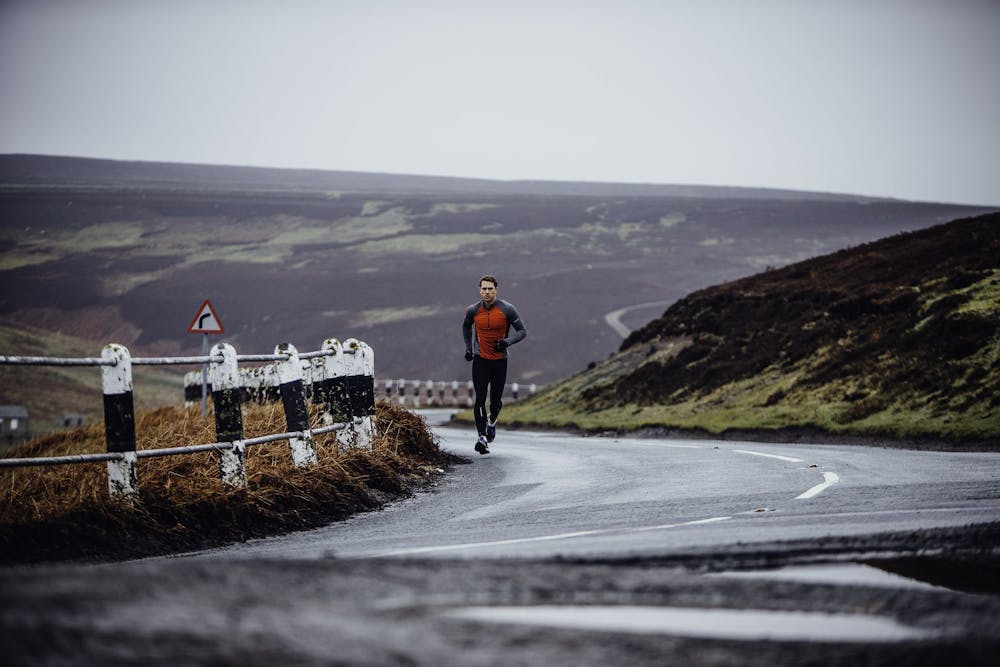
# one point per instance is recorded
(492, 324)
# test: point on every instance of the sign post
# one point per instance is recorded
(205, 322)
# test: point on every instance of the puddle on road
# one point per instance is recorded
(742, 624)
(929, 574)
(855, 574)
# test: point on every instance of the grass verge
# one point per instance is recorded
(65, 512)
(745, 408)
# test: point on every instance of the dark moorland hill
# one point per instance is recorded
(900, 337)
(95, 251)
(41, 170)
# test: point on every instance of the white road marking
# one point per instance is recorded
(543, 538)
(741, 624)
(770, 456)
(830, 478)
(676, 525)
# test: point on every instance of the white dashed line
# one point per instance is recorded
(770, 456)
(830, 478)
(544, 538)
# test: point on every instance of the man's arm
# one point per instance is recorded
(467, 329)
(516, 323)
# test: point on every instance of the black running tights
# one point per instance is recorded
(488, 374)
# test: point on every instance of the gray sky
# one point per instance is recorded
(895, 98)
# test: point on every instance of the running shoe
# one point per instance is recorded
(481, 445)
(491, 431)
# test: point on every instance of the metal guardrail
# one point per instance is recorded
(13, 360)
(347, 390)
(167, 451)
(443, 393)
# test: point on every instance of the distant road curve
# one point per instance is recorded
(614, 318)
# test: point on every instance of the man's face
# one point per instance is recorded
(488, 291)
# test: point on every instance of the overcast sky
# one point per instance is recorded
(895, 98)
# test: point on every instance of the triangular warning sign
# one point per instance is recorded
(206, 321)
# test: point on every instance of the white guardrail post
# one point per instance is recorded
(227, 400)
(294, 400)
(353, 367)
(401, 390)
(119, 421)
(330, 387)
(363, 394)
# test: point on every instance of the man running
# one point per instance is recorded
(487, 350)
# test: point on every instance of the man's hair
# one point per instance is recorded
(490, 279)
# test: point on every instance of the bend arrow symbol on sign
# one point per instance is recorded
(206, 321)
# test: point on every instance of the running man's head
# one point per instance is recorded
(488, 289)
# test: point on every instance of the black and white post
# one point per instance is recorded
(119, 421)
(293, 398)
(330, 390)
(227, 399)
(359, 365)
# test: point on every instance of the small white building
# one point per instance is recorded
(13, 422)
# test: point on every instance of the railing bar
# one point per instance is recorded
(60, 460)
(53, 361)
(153, 361)
(173, 361)
(317, 353)
(261, 357)
(260, 440)
(164, 451)
(192, 449)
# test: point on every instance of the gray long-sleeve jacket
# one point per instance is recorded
(491, 324)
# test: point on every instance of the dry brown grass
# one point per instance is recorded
(65, 512)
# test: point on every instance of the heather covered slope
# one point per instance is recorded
(897, 338)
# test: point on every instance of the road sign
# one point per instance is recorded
(206, 321)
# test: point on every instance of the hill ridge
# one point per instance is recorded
(900, 336)
(30, 169)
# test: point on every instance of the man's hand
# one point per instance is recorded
(501, 345)
(469, 356)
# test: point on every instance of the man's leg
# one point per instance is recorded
(498, 378)
(480, 382)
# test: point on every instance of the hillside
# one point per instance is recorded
(896, 338)
(98, 251)
(49, 171)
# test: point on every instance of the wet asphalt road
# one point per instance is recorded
(546, 495)
(553, 521)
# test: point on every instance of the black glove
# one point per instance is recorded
(468, 355)
(501, 345)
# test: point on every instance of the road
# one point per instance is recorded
(614, 318)
(561, 550)
(548, 495)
